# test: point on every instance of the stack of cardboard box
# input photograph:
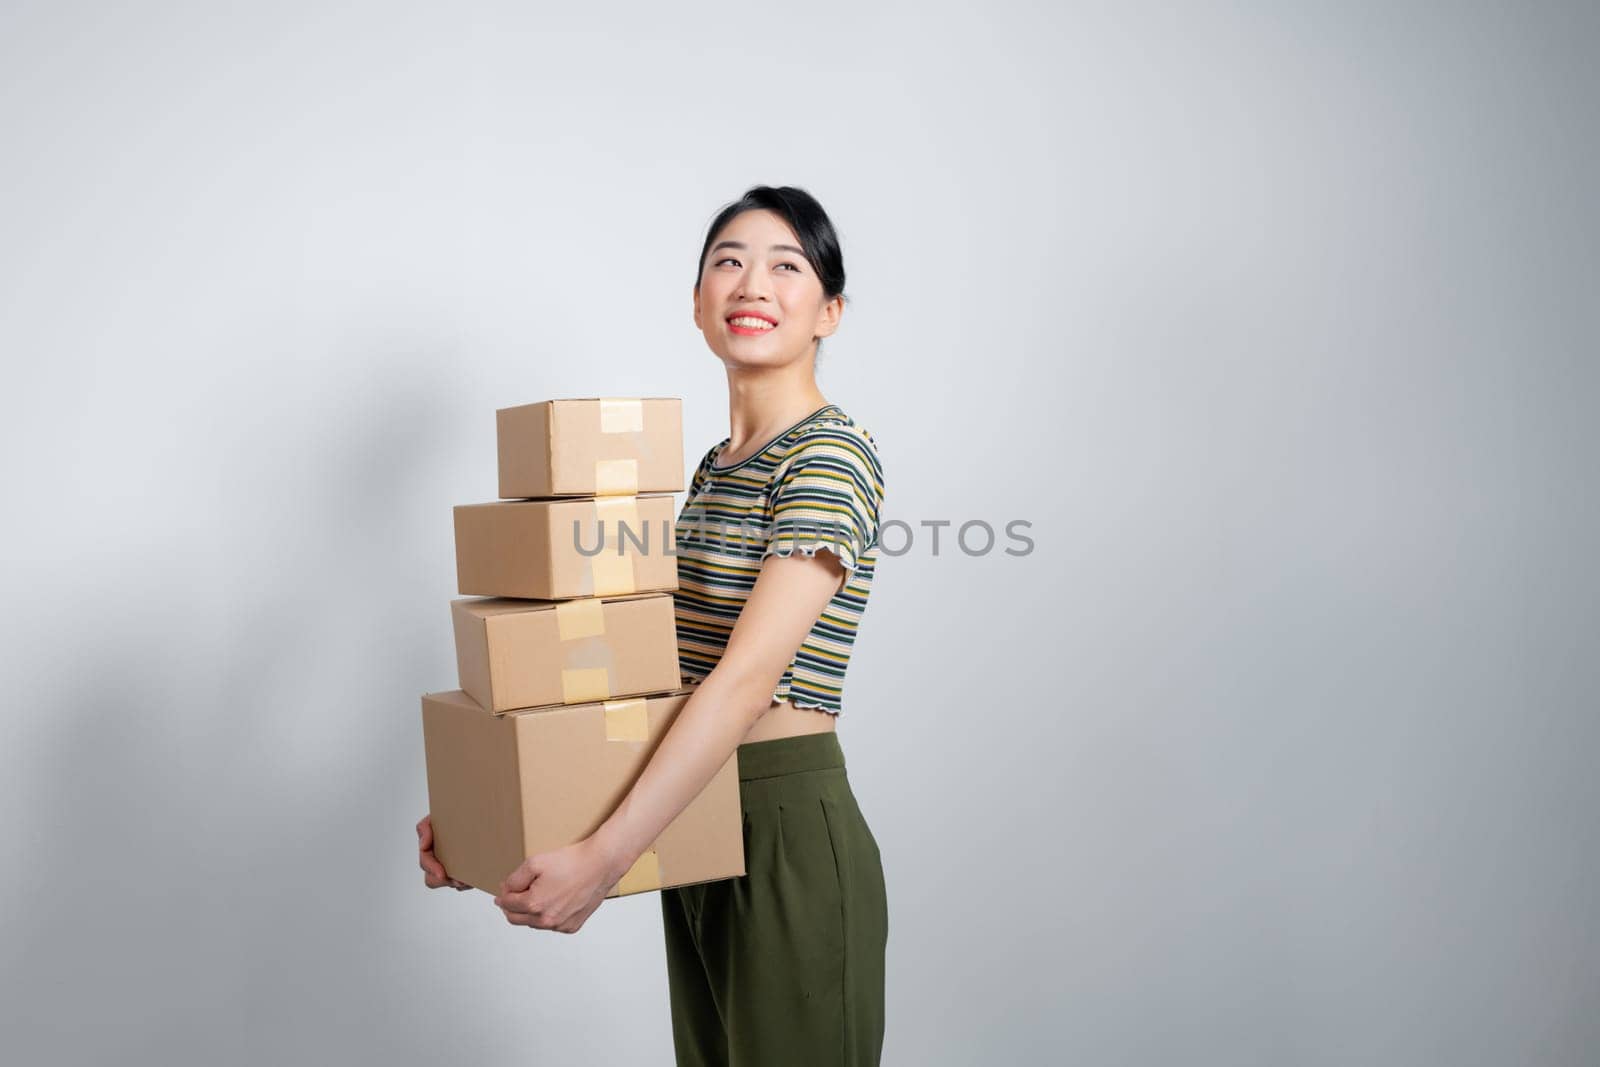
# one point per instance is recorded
(568, 659)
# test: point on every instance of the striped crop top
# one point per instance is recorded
(819, 484)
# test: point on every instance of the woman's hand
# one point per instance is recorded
(558, 890)
(433, 872)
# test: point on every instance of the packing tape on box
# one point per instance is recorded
(611, 573)
(621, 416)
(627, 720)
(644, 875)
(582, 685)
(577, 623)
(580, 618)
(614, 477)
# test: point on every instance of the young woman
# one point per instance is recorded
(776, 544)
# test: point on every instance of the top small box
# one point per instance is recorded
(597, 446)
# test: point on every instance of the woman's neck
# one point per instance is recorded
(758, 411)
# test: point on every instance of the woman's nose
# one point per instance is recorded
(752, 286)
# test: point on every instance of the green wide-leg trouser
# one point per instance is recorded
(784, 965)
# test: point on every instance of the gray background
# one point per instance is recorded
(1277, 321)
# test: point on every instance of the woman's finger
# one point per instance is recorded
(517, 904)
(430, 863)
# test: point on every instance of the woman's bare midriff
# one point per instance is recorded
(783, 719)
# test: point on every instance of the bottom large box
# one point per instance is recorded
(502, 788)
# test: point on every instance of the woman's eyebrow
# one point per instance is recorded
(774, 248)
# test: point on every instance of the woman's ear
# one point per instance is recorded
(697, 308)
(828, 321)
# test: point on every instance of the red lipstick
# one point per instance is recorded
(749, 331)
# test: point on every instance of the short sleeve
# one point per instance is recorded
(827, 495)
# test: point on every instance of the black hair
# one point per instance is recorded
(805, 217)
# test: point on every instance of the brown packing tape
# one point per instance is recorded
(619, 415)
(582, 685)
(627, 720)
(615, 477)
(577, 620)
(644, 875)
(580, 618)
(612, 573)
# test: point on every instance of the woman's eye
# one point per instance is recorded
(735, 262)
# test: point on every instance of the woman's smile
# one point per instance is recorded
(748, 323)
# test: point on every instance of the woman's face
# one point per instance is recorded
(754, 270)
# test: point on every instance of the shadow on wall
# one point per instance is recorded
(214, 871)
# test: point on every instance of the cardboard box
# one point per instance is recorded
(502, 788)
(529, 653)
(553, 549)
(599, 446)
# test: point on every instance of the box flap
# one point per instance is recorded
(486, 607)
(563, 501)
(455, 697)
(588, 400)
(591, 704)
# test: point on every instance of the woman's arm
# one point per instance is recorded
(786, 600)
(560, 889)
